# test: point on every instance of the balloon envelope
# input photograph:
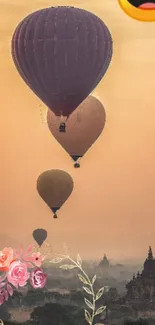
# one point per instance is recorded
(40, 236)
(82, 128)
(62, 53)
(55, 186)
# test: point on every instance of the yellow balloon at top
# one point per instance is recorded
(144, 12)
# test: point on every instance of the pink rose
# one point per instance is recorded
(37, 259)
(38, 278)
(18, 274)
(6, 257)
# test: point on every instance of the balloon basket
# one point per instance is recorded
(76, 165)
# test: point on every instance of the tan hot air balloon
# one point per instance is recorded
(55, 186)
(82, 128)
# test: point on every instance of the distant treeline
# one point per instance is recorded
(56, 314)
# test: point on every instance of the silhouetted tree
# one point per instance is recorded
(16, 299)
(34, 297)
(139, 321)
(53, 314)
(78, 317)
(77, 297)
(4, 313)
(112, 294)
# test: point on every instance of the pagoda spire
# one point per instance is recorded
(150, 255)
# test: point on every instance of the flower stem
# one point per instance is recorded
(88, 280)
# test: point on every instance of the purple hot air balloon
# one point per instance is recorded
(62, 53)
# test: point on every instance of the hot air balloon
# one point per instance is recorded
(40, 236)
(62, 53)
(55, 186)
(83, 128)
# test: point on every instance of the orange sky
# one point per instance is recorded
(112, 208)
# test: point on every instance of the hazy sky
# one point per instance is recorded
(112, 208)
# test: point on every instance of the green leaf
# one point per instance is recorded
(68, 267)
(99, 293)
(94, 279)
(88, 303)
(88, 317)
(79, 260)
(56, 260)
(100, 310)
(82, 279)
(87, 290)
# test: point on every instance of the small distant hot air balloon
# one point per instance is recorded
(55, 186)
(62, 53)
(83, 127)
(40, 236)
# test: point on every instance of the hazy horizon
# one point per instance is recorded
(112, 207)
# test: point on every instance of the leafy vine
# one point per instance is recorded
(88, 285)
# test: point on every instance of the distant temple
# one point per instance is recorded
(142, 286)
(104, 263)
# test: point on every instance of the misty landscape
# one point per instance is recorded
(111, 207)
(62, 301)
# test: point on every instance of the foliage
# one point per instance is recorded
(56, 314)
(4, 313)
(139, 321)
